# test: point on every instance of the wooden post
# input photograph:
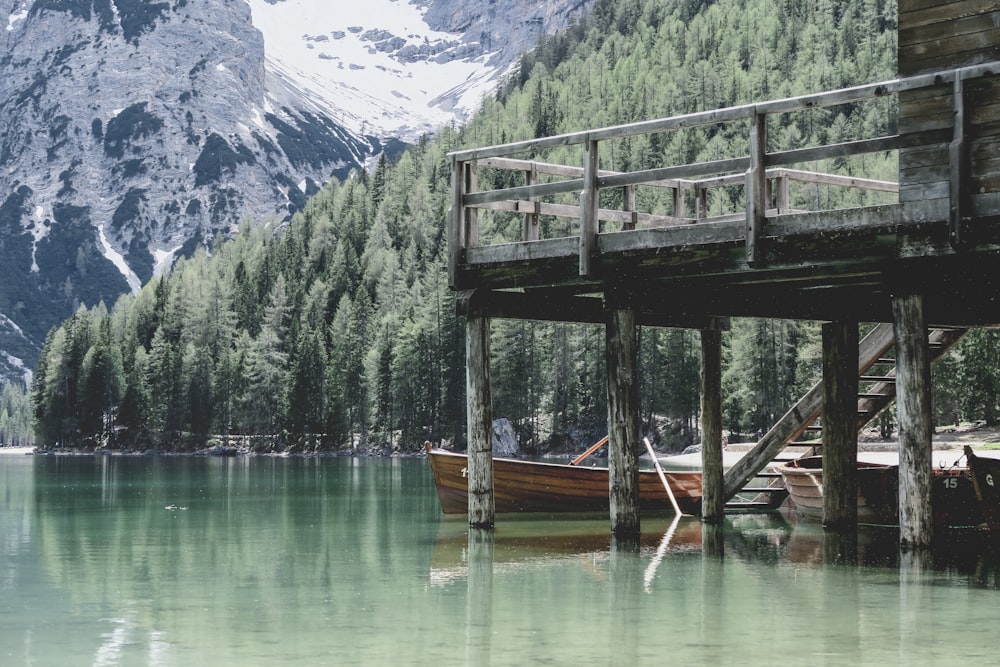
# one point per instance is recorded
(679, 201)
(589, 199)
(713, 500)
(622, 358)
(531, 219)
(840, 426)
(456, 219)
(628, 204)
(783, 200)
(700, 202)
(463, 222)
(913, 403)
(756, 180)
(480, 420)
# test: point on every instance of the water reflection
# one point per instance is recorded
(350, 563)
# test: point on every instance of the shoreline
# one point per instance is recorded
(17, 450)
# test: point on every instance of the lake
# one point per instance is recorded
(261, 561)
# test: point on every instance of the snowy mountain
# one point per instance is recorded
(133, 131)
(401, 67)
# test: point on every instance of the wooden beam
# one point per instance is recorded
(482, 506)
(556, 305)
(713, 500)
(622, 359)
(730, 114)
(913, 405)
(840, 425)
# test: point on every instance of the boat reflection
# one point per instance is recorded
(531, 541)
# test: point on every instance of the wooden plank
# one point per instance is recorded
(840, 428)
(954, 26)
(954, 51)
(571, 211)
(949, 55)
(713, 500)
(913, 404)
(924, 191)
(846, 149)
(622, 359)
(480, 422)
(915, 15)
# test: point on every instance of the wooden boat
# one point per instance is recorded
(527, 486)
(953, 499)
(986, 483)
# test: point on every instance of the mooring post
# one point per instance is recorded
(480, 419)
(622, 358)
(840, 425)
(713, 499)
(913, 403)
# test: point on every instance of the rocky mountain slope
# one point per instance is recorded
(132, 131)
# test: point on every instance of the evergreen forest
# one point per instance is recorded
(338, 330)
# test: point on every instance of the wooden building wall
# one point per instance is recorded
(936, 35)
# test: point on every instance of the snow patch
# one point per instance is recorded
(17, 363)
(39, 230)
(16, 17)
(116, 258)
(164, 259)
(402, 97)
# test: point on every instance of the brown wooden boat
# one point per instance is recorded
(527, 486)
(953, 499)
(986, 483)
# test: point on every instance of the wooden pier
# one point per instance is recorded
(584, 249)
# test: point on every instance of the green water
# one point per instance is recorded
(217, 562)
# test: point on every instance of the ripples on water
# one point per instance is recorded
(189, 561)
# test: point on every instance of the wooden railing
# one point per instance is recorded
(763, 175)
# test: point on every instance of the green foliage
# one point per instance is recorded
(15, 417)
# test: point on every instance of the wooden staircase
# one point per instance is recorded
(877, 390)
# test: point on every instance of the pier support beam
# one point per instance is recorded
(840, 426)
(482, 507)
(713, 499)
(913, 403)
(622, 358)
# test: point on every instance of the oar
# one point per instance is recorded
(593, 448)
(663, 478)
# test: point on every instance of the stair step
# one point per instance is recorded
(870, 395)
(763, 489)
(878, 378)
(746, 505)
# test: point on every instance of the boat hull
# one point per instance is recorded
(953, 499)
(986, 482)
(527, 486)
